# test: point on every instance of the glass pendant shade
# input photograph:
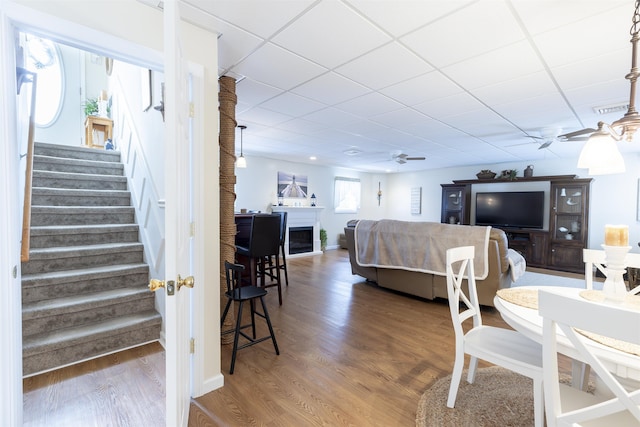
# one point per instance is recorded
(241, 162)
(601, 155)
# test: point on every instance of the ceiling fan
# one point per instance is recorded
(548, 137)
(402, 158)
(579, 135)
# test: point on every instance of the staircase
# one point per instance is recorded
(84, 288)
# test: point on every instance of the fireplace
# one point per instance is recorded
(300, 240)
(303, 230)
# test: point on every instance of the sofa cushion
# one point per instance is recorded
(503, 245)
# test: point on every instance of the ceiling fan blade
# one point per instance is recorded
(572, 135)
(415, 158)
(545, 144)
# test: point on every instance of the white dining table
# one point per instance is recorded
(527, 321)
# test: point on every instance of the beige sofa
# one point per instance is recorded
(431, 286)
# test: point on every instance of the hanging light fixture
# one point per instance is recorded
(241, 162)
(600, 154)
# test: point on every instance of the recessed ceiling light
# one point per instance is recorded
(352, 152)
(312, 158)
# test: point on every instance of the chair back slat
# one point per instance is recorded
(575, 317)
(463, 306)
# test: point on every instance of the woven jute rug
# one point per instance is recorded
(498, 397)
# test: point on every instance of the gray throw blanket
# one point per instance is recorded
(418, 246)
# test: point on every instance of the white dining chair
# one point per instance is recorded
(568, 406)
(503, 347)
(596, 260)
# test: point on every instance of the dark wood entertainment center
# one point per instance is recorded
(559, 248)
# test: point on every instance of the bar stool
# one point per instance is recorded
(283, 234)
(241, 294)
(264, 243)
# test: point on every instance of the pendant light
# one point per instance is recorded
(241, 162)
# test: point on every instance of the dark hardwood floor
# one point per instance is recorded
(351, 354)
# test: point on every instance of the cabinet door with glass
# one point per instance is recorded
(455, 204)
(569, 223)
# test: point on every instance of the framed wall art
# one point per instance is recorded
(291, 185)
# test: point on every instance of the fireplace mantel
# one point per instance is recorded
(302, 216)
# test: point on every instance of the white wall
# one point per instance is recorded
(613, 198)
(257, 184)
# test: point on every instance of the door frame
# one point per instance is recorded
(14, 16)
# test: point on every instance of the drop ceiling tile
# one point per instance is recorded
(331, 117)
(607, 31)
(399, 118)
(331, 88)
(401, 17)
(369, 105)
(427, 87)
(522, 87)
(324, 34)
(554, 14)
(260, 17)
(264, 117)
(250, 92)
(234, 44)
(612, 66)
(292, 104)
(392, 63)
(449, 106)
(495, 66)
(301, 127)
(285, 70)
(479, 28)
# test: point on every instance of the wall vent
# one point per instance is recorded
(613, 108)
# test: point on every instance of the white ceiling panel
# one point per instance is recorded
(285, 69)
(479, 28)
(331, 89)
(427, 87)
(392, 63)
(320, 76)
(495, 66)
(324, 34)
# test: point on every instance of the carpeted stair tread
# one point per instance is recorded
(52, 277)
(77, 180)
(77, 250)
(42, 196)
(76, 215)
(73, 235)
(78, 302)
(60, 164)
(84, 228)
(57, 284)
(69, 336)
(75, 152)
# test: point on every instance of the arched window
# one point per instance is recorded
(43, 57)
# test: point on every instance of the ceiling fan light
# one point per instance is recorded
(601, 155)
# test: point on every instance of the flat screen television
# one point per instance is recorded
(512, 209)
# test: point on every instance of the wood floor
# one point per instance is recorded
(351, 354)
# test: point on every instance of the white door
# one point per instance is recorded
(177, 220)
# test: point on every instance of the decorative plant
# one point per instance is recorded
(509, 174)
(91, 107)
(323, 239)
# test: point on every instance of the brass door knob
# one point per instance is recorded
(156, 284)
(187, 281)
